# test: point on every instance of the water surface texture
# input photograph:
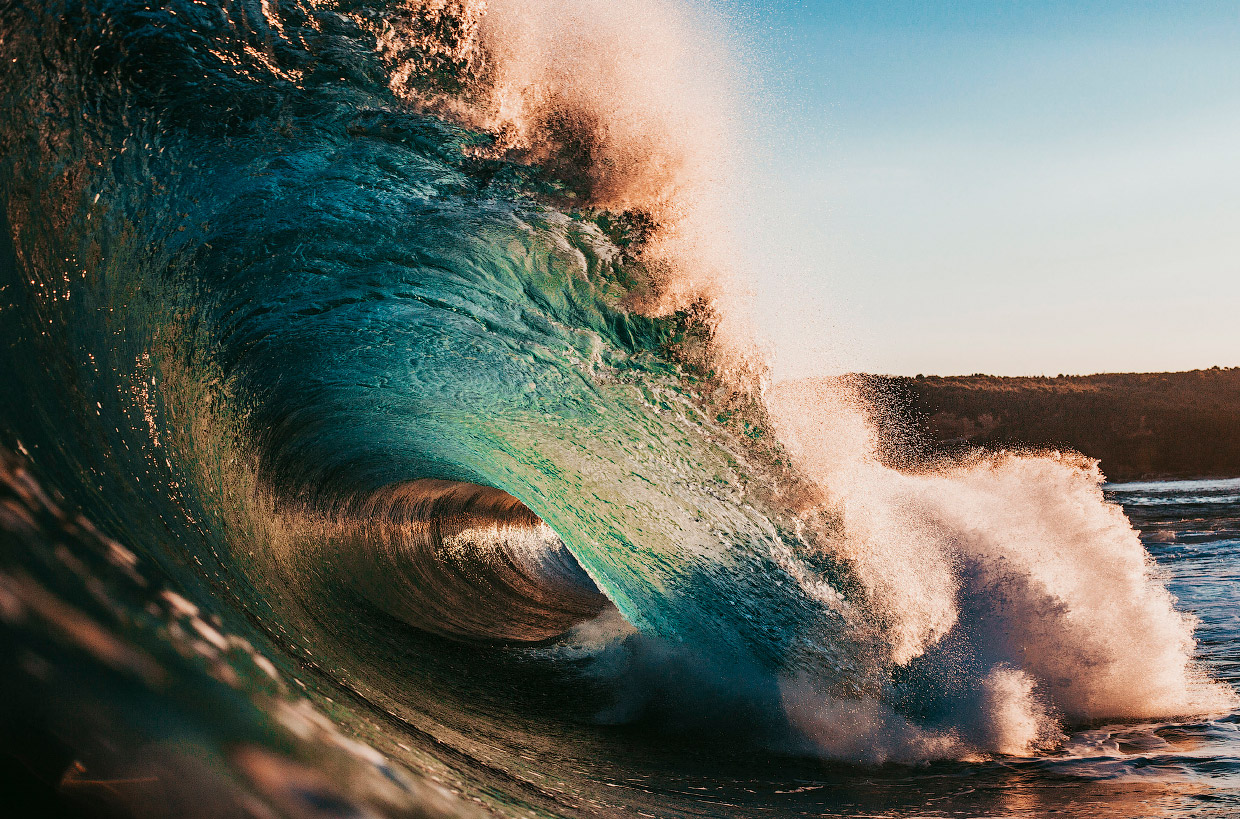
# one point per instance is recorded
(381, 437)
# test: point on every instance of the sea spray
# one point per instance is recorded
(1013, 593)
(637, 112)
(419, 365)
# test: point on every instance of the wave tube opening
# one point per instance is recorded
(463, 561)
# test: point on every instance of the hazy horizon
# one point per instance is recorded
(980, 374)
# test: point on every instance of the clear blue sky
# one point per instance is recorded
(1004, 187)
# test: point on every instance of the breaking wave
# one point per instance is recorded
(395, 357)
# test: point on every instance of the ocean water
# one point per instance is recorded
(382, 437)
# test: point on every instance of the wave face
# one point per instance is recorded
(381, 428)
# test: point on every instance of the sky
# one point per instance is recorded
(1014, 188)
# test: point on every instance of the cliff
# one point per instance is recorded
(1139, 425)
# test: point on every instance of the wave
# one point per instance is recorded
(405, 341)
(454, 559)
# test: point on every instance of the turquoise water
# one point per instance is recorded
(352, 468)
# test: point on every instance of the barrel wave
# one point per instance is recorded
(383, 434)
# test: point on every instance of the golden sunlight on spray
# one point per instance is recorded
(639, 109)
(1073, 603)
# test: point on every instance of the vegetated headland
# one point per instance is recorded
(1138, 425)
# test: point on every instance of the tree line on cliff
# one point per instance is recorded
(1138, 425)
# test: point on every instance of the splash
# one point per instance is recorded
(634, 112)
(1004, 581)
(388, 339)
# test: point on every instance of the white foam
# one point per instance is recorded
(646, 97)
(1060, 610)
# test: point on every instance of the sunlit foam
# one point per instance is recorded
(1014, 566)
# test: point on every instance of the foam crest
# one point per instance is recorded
(636, 108)
(893, 543)
(1013, 594)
